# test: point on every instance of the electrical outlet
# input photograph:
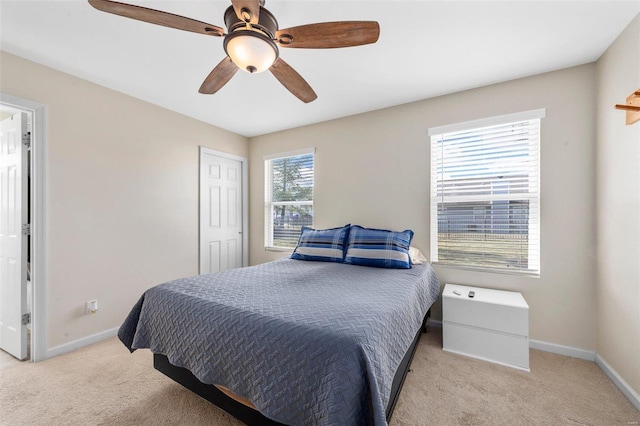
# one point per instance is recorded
(91, 307)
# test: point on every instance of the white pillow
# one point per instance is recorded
(417, 258)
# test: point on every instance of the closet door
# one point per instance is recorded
(221, 213)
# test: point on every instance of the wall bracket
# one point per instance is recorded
(632, 107)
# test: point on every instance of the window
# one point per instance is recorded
(288, 197)
(485, 193)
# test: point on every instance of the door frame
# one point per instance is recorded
(38, 220)
(245, 201)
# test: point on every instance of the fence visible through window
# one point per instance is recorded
(485, 193)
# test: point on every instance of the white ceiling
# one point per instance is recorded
(426, 49)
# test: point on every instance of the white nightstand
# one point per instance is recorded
(493, 325)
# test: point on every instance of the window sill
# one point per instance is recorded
(280, 249)
(529, 274)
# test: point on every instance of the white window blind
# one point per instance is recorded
(485, 193)
(288, 197)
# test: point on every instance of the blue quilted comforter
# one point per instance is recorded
(305, 342)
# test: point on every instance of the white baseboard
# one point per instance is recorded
(80, 343)
(544, 346)
(562, 350)
(623, 386)
(619, 382)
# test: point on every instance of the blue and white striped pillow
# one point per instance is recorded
(325, 245)
(379, 248)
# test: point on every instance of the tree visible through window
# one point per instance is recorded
(288, 198)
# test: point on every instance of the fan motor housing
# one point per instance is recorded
(267, 23)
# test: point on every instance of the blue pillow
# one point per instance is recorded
(379, 248)
(324, 245)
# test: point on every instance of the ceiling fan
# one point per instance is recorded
(252, 39)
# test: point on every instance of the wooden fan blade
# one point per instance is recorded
(156, 17)
(292, 81)
(329, 35)
(247, 10)
(217, 78)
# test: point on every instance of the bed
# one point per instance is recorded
(298, 342)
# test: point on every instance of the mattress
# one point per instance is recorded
(305, 342)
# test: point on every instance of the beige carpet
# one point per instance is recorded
(105, 385)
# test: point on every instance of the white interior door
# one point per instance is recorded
(221, 214)
(13, 242)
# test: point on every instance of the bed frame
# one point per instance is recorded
(252, 417)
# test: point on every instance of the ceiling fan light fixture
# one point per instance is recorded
(252, 40)
(251, 51)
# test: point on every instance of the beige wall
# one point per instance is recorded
(618, 149)
(122, 195)
(373, 169)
